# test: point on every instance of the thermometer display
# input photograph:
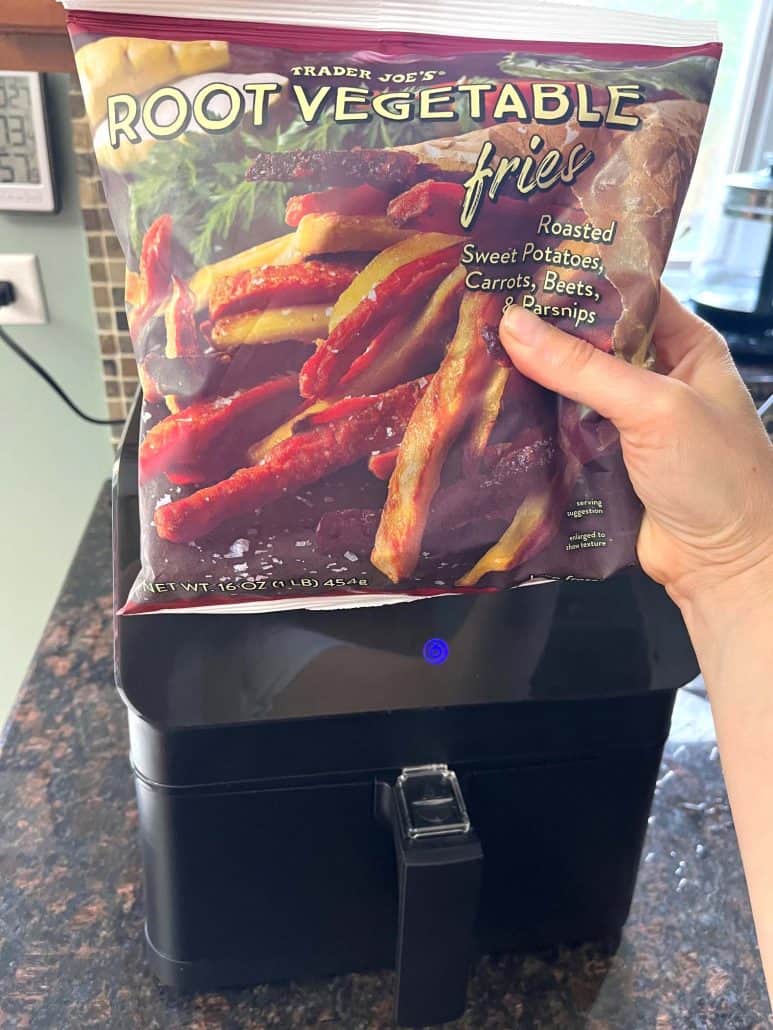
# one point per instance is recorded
(26, 174)
(18, 146)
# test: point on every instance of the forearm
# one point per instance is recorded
(732, 632)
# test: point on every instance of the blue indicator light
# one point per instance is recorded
(435, 651)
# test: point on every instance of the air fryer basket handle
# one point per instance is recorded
(439, 859)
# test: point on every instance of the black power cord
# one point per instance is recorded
(7, 297)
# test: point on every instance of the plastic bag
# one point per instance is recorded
(323, 226)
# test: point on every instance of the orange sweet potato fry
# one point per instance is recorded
(379, 346)
(409, 285)
(370, 424)
(383, 464)
(182, 337)
(429, 206)
(341, 200)
(418, 347)
(155, 272)
(185, 439)
(307, 282)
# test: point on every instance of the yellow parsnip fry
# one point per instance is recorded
(337, 234)
(508, 551)
(306, 323)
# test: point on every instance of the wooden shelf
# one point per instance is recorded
(33, 37)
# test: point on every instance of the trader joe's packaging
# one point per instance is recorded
(325, 209)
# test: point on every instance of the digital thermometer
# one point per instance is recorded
(26, 179)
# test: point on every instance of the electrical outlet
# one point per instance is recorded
(23, 272)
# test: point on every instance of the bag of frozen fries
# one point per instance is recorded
(325, 210)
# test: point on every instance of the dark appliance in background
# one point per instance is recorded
(408, 786)
(732, 284)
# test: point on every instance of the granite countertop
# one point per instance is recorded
(71, 908)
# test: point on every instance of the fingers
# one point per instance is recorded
(693, 352)
(576, 369)
(681, 337)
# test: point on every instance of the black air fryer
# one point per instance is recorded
(406, 786)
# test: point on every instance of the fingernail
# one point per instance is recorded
(520, 325)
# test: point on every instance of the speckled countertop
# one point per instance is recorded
(71, 911)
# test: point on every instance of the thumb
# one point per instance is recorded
(576, 369)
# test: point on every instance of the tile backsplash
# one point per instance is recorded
(107, 271)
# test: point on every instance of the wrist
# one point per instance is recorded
(715, 606)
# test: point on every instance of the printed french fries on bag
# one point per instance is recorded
(325, 217)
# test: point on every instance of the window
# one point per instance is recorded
(738, 129)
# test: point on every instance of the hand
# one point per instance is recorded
(696, 451)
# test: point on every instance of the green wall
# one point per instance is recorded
(51, 463)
